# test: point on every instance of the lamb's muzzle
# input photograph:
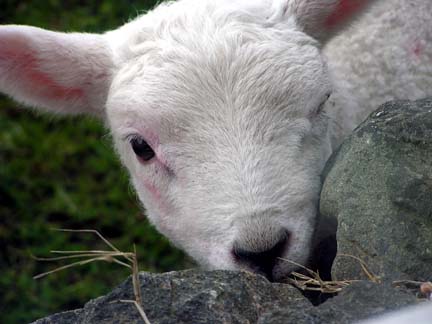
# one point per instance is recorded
(264, 258)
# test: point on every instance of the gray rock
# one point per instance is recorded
(362, 300)
(230, 297)
(359, 301)
(189, 297)
(379, 187)
(65, 317)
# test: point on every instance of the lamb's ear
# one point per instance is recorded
(323, 18)
(57, 72)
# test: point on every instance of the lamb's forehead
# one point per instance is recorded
(214, 69)
(172, 19)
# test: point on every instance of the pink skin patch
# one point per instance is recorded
(49, 88)
(160, 162)
(158, 202)
(344, 10)
(152, 138)
(417, 49)
(17, 58)
(154, 191)
(156, 196)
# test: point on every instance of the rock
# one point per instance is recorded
(362, 300)
(379, 187)
(358, 301)
(189, 297)
(65, 317)
(230, 297)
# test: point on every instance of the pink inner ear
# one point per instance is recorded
(344, 11)
(21, 66)
(49, 88)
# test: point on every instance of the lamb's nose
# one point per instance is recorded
(262, 261)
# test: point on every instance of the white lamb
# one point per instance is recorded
(225, 111)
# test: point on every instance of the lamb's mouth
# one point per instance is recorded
(264, 259)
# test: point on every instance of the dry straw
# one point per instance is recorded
(125, 259)
(312, 281)
(424, 289)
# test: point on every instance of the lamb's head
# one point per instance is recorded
(217, 110)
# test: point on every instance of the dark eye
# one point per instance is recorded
(142, 149)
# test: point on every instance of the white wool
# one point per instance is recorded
(418, 314)
(229, 95)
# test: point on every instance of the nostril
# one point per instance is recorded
(243, 253)
(262, 260)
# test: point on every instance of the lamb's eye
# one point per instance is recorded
(142, 149)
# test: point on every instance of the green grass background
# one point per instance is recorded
(62, 173)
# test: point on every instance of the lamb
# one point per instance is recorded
(225, 112)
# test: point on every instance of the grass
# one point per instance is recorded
(312, 281)
(63, 173)
(130, 261)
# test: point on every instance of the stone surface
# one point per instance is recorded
(359, 301)
(230, 297)
(189, 297)
(379, 187)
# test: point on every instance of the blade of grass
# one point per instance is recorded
(139, 308)
(83, 255)
(92, 232)
(97, 255)
(78, 263)
(364, 267)
(314, 282)
(135, 278)
(89, 231)
(90, 251)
